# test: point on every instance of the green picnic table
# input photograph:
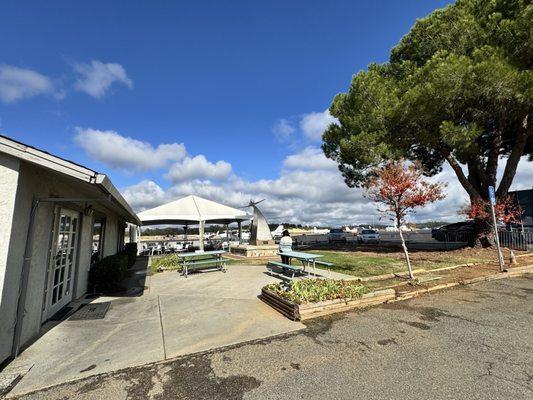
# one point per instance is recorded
(195, 261)
(308, 260)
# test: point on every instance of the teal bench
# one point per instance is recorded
(292, 268)
(324, 264)
(202, 261)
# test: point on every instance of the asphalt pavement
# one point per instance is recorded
(475, 342)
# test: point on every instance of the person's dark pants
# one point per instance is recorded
(285, 259)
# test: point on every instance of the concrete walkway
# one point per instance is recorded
(474, 343)
(174, 316)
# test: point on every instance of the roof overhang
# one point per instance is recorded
(46, 160)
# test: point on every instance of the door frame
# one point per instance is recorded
(68, 296)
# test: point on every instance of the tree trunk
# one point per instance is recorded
(405, 252)
(482, 236)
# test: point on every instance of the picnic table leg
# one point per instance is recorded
(305, 266)
(221, 263)
(314, 267)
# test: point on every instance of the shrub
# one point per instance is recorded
(131, 251)
(165, 262)
(315, 290)
(107, 274)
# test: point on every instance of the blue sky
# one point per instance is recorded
(227, 88)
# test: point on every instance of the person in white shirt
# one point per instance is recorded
(285, 244)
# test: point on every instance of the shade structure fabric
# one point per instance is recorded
(192, 210)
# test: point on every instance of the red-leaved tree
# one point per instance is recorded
(401, 188)
(507, 211)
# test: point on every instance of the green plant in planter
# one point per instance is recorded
(315, 290)
(106, 275)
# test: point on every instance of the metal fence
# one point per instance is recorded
(517, 239)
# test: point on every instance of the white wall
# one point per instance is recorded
(19, 185)
(9, 173)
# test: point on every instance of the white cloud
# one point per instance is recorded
(309, 158)
(308, 190)
(198, 168)
(314, 124)
(126, 153)
(19, 83)
(312, 192)
(96, 77)
(283, 129)
(146, 194)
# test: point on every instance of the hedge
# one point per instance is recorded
(106, 275)
(131, 251)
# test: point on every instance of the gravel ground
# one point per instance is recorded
(474, 342)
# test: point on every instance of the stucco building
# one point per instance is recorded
(55, 217)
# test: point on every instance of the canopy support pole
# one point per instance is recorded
(239, 224)
(202, 229)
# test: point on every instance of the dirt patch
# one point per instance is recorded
(320, 326)
(179, 379)
(418, 325)
(90, 367)
(386, 342)
(480, 254)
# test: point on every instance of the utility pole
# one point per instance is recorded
(492, 198)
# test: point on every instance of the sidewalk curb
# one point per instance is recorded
(515, 272)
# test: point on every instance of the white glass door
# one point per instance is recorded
(63, 261)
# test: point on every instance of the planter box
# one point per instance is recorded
(300, 312)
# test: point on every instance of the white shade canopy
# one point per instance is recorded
(191, 210)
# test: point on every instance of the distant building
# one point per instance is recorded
(524, 198)
(56, 218)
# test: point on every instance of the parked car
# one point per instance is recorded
(456, 232)
(368, 236)
(336, 235)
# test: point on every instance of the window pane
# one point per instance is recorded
(56, 276)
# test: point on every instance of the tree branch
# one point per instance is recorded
(514, 158)
(470, 189)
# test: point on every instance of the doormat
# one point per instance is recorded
(91, 311)
(58, 316)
